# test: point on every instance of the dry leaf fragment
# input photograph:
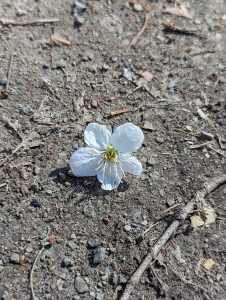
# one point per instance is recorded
(180, 11)
(208, 213)
(196, 221)
(208, 263)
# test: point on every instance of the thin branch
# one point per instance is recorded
(27, 22)
(9, 72)
(134, 279)
(32, 270)
(140, 32)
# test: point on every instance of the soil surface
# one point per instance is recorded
(80, 69)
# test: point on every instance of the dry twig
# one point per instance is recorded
(118, 112)
(32, 270)
(9, 72)
(134, 279)
(140, 32)
(27, 22)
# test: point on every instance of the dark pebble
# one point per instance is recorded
(61, 176)
(36, 203)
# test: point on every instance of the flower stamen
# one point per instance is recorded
(111, 155)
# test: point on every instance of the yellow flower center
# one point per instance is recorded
(111, 155)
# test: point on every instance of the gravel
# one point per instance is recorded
(80, 285)
(99, 255)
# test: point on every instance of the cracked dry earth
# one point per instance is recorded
(54, 91)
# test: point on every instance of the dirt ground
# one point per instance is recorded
(54, 90)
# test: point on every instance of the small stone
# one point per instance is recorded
(137, 217)
(114, 59)
(73, 236)
(148, 126)
(34, 187)
(93, 294)
(67, 262)
(79, 21)
(170, 202)
(99, 296)
(93, 242)
(78, 7)
(127, 228)
(71, 245)
(61, 176)
(15, 258)
(105, 67)
(151, 161)
(63, 276)
(138, 7)
(36, 203)
(159, 140)
(94, 103)
(99, 255)
(21, 12)
(80, 285)
(26, 110)
(221, 122)
(161, 192)
(46, 66)
(36, 170)
(61, 64)
(144, 223)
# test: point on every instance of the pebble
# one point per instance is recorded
(15, 258)
(127, 228)
(36, 170)
(221, 122)
(99, 296)
(151, 161)
(36, 203)
(61, 176)
(93, 242)
(99, 255)
(79, 21)
(80, 285)
(78, 7)
(137, 217)
(148, 126)
(161, 192)
(71, 245)
(67, 262)
(170, 202)
(26, 110)
(138, 7)
(34, 187)
(159, 140)
(92, 294)
(105, 67)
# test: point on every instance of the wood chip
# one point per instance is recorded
(208, 263)
(60, 40)
(28, 22)
(118, 112)
(180, 11)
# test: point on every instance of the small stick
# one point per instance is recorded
(59, 40)
(153, 253)
(9, 72)
(28, 22)
(199, 145)
(172, 207)
(140, 32)
(149, 228)
(118, 112)
(32, 270)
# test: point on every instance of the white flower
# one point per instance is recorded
(109, 156)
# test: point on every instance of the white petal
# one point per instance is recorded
(97, 136)
(130, 164)
(85, 161)
(127, 138)
(110, 176)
